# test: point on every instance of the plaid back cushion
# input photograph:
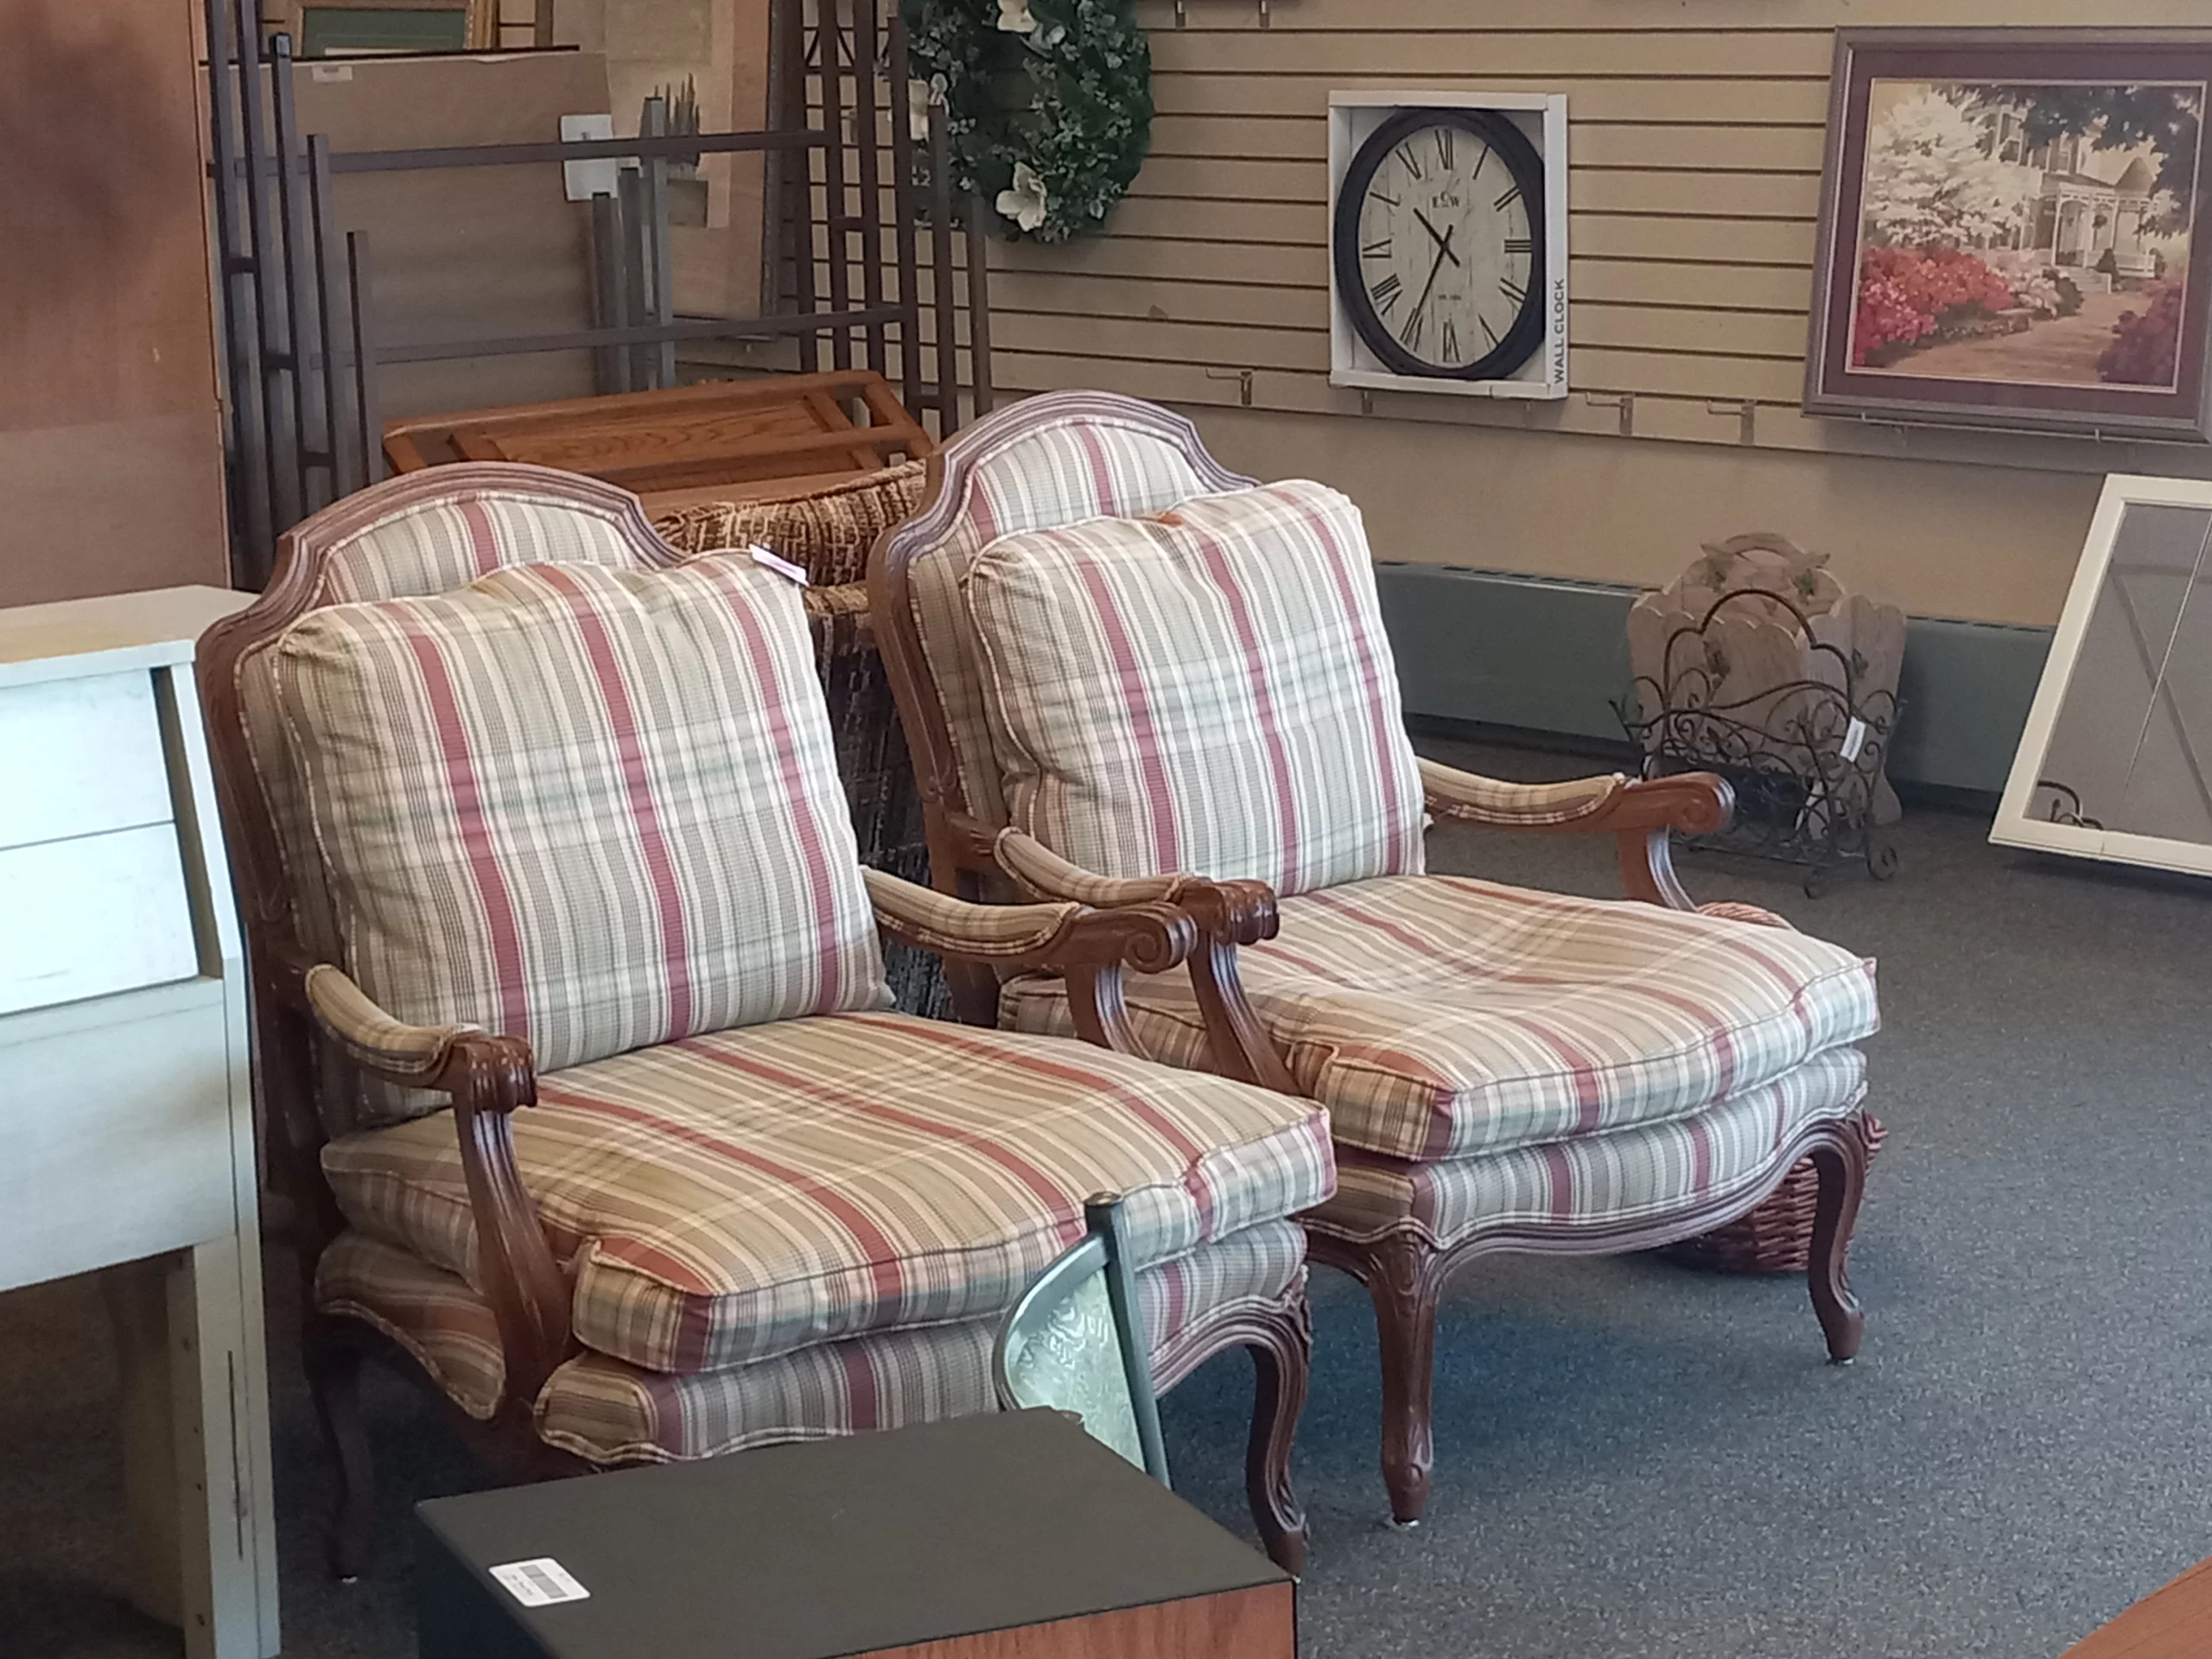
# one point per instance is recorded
(1089, 462)
(1209, 690)
(595, 808)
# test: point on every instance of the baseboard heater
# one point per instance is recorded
(1546, 655)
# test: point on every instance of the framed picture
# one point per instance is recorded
(2011, 232)
(2116, 762)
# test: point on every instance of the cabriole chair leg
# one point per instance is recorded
(1841, 1162)
(333, 1368)
(1282, 1363)
(1404, 1280)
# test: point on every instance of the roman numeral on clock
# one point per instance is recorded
(1513, 291)
(1385, 293)
(1489, 332)
(1444, 148)
(1406, 160)
(1375, 250)
(1512, 194)
(1520, 245)
(1410, 334)
(1451, 342)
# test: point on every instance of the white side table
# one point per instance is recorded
(126, 1115)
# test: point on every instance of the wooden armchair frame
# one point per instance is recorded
(967, 854)
(1404, 1274)
(303, 1007)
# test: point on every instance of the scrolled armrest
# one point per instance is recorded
(488, 1077)
(1053, 937)
(1467, 797)
(374, 1039)
(1232, 913)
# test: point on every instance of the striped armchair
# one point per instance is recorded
(576, 1036)
(1133, 677)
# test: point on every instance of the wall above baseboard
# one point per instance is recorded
(1546, 655)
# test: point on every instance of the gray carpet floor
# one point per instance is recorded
(1632, 1457)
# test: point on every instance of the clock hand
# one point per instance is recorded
(1443, 253)
(1443, 239)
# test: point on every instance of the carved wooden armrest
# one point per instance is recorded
(1641, 814)
(1232, 913)
(1467, 797)
(1055, 937)
(488, 1078)
(372, 1039)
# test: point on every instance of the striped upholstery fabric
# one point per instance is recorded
(1735, 1149)
(1089, 462)
(433, 1314)
(595, 808)
(436, 546)
(412, 552)
(733, 1197)
(1209, 691)
(607, 1411)
(1438, 1017)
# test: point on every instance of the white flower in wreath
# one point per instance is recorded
(1016, 18)
(1025, 203)
(921, 95)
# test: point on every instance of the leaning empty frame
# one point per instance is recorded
(2116, 763)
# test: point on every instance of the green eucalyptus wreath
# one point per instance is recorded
(1048, 104)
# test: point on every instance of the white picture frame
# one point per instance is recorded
(2033, 813)
(1542, 117)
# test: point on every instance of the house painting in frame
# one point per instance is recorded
(2011, 232)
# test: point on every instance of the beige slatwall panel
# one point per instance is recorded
(1696, 134)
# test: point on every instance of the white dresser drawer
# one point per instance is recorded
(78, 756)
(121, 1136)
(92, 915)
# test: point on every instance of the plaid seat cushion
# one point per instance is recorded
(1209, 690)
(595, 808)
(1439, 1017)
(1734, 1151)
(733, 1197)
(609, 1412)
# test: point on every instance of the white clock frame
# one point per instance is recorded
(1542, 117)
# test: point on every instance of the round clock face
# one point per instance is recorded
(1439, 244)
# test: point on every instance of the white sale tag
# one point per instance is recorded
(1854, 738)
(783, 568)
(542, 1583)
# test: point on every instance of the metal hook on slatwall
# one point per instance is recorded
(1746, 412)
(1241, 376)
(1625, 403)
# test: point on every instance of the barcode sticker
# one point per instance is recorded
(1854, 738)
(783, 568)
(542, 1583)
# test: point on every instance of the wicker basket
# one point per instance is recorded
(1776, 1235)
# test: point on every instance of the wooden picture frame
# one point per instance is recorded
(2116, 761)
(2013, 232)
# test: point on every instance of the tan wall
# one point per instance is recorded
(111, 444)
(1696, 136)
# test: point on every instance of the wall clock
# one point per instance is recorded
(1447, 242)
